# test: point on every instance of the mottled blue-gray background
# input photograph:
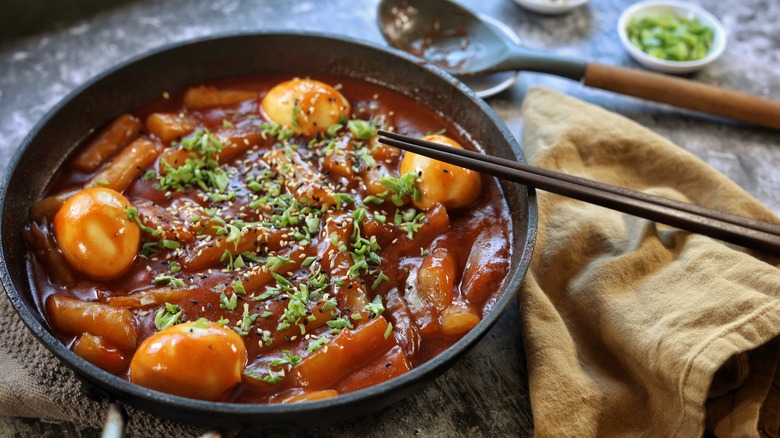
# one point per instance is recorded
(47, 48)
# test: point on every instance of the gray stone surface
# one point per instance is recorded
(47, 48)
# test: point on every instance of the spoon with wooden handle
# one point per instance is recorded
(458, 41)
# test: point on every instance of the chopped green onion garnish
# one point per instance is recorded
(388, 330)
(362, 129)
(167, 316)
(671, 37)
(228, 303)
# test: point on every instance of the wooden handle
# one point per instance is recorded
(684, 94)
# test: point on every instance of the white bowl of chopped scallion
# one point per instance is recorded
(671, 36)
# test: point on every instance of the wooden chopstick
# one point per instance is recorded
(721, 225)
(695, 209)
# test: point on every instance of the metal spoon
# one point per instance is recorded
(453, 38)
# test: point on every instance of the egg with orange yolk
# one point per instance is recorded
(199, 359)
(439, 182)
(304, 105)
(95, 233)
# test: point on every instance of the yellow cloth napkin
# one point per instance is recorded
(632, 327)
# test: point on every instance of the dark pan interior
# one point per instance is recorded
(142, 80)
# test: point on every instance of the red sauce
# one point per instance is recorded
(416, 335)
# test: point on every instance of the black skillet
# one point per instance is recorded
(139, 81)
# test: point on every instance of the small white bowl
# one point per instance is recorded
(551, 7)
(680, 9)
